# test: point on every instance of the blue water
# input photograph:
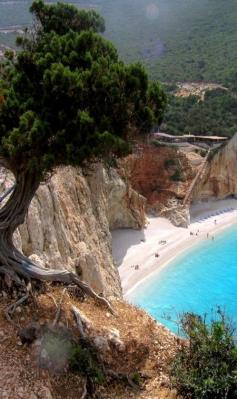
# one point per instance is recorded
(197, 281)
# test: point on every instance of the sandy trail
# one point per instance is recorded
(131, 247)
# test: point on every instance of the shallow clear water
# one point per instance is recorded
(198, 281)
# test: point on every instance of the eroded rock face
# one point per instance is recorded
(162, 175)
(176, 212)
(159, 174)
(69, 221)
(220, 178)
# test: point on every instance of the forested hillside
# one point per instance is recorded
(215, 115)
(176, 39)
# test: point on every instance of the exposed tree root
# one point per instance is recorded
(21, 265)
(57, 316)
(10, 276)
(84, 393)
(122, 377)
(14, 264)
(54, 300)
(11, 309)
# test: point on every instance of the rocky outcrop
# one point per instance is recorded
(176, 212)
(220, 178)
(162, 175)
(158, 173)
(69, 221)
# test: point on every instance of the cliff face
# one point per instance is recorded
(162, 175)
(69, 221)
(220, 178)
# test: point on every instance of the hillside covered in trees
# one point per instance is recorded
(216, 114)
(177, 40)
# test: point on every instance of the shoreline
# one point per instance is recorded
(131, 248)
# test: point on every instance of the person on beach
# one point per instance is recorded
(207, 235)
(215, 221)
(213, 238)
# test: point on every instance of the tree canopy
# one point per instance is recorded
(66, 96)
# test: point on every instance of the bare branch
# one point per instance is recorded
(59, 308)
(84, 393)
(11, 309)
(78, 318)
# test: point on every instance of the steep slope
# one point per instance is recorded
(146, 347)
(69, 221)
(162, 175)
(220, 178)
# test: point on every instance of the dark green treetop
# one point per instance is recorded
(62, 17)
(66, 98)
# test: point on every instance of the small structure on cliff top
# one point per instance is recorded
(190, 138)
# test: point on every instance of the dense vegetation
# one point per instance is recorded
(206, 367)
(97, 99)
(217, 114)
(176, 39)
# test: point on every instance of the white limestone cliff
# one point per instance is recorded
(220, 178)
(69, 221)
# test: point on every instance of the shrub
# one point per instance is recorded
(177, 176)
(206, 368)
(169, 162)
(84, 361)
(203, 153)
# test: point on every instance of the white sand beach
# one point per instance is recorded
(139, 247)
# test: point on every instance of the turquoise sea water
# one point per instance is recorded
(198, 280)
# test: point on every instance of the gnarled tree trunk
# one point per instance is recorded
(12, 262)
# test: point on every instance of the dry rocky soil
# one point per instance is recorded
(144, 346)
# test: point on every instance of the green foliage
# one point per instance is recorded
(67, 96)
(178, 40)
(169, 163)
(203, 153)
(178, 175)
(206, 368)
(216, 115)
(136, 378)
(61, 18)
(84, 361)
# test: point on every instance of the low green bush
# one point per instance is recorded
(206, 368)
(178, 175)
(84, 361)
(169, 162)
